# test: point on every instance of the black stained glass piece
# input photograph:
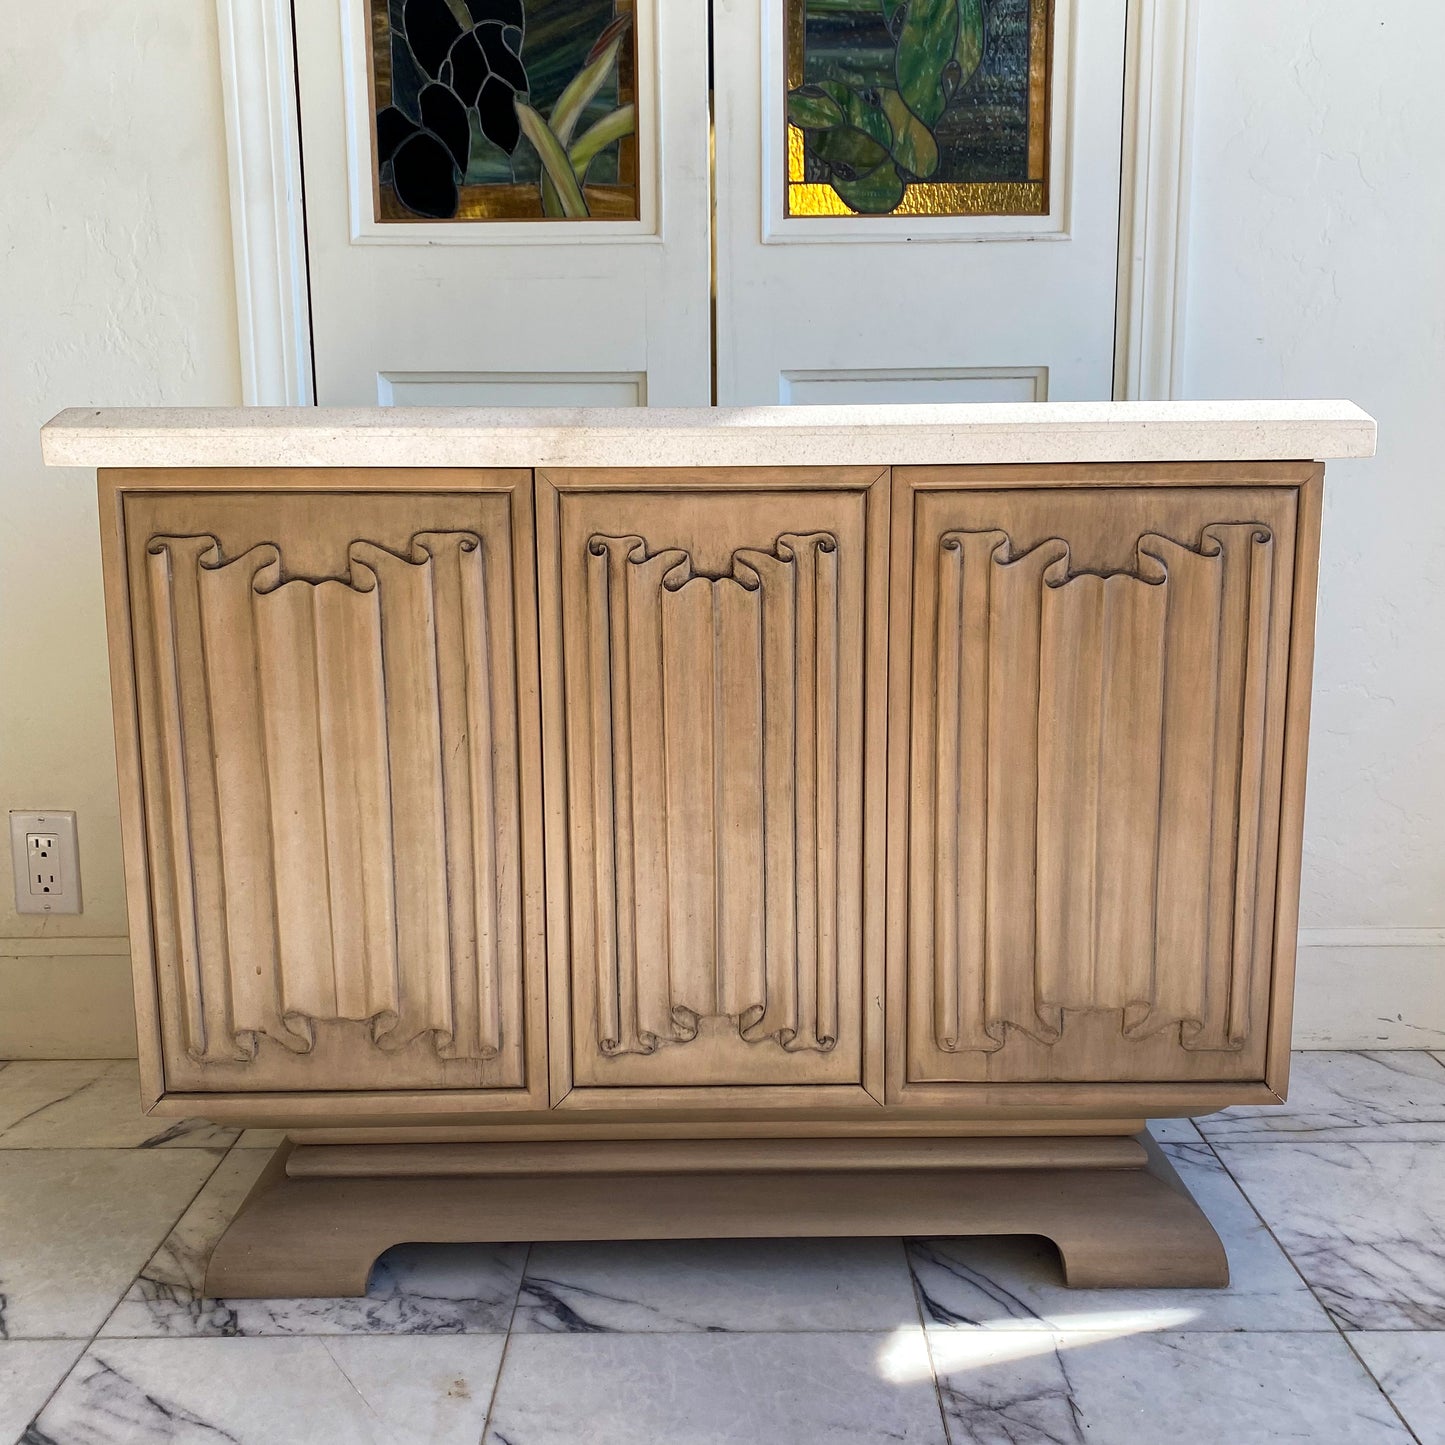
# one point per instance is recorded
(446, 117)
(506, 12)
(392, 127)
(431, 29)
(497, 111)
(407, 77)
(469, 68)
(501, 59)
(424, 175)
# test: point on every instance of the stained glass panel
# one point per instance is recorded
(918, 107)
(491, 110)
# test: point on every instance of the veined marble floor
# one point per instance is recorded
(1332, 1209)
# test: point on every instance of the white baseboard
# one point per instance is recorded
(66, 998)
(1370, 988)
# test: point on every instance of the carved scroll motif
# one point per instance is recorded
(339, 843)
(1098, 755)
(715, 723)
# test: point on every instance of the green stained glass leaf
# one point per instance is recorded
(873, 194)
(812, 108)
(860, 112)
(588, 81)
(969, 49)
(926, 46)
(849, 151)
(914, 147)
(554, 160)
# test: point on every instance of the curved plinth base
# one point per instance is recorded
(319, 1235)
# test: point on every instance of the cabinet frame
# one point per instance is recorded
(534, 496)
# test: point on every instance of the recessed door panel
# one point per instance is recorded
(714, 651)
(336, 716)
(1096, 692)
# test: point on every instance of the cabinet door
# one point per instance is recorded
(335, 710)
(712, 647)
(1091, 706)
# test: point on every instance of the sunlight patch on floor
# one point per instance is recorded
(904, 1357)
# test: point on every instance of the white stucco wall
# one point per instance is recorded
(115, 287)
(1317, 268)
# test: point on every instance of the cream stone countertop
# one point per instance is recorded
(1178, 431)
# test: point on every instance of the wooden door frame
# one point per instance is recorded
(268, 222)
(1154, 182)
(268, 214)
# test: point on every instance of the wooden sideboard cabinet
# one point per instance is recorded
(849, 823)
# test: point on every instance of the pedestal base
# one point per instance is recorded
(314, 1226)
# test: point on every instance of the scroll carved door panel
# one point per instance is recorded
(336, 702)
(1096, 712)
(709, 653)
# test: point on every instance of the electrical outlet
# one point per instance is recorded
(46, 860)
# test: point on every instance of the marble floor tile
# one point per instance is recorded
(710, 1389)
(1017, 1284)
(76, 1225)
(1410, 1367)
(91, 1104)
(1397, 1094)
(1364, 1223)
(29, 1372)
(414, 1290)
(1174, 1131)
(717, 1284)
(261, 1139)
(1206, 1389)
(275, 1392)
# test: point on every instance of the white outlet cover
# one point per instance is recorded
(61, 826)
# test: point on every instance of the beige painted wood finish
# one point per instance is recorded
(1096, 701)
(714, 654)
(335, 721)
(312, 1234)
(911, 802)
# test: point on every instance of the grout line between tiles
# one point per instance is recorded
(928, 1346)
(927, 1341)
(1328, 1313)
(1365, 1364)
(506, 1344)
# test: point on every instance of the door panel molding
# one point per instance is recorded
(268, 216)
(512, 388)
(849, 386)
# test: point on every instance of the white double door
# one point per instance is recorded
(713, 294)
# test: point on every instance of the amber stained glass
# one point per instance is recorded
(918, 107)
(504, 109)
